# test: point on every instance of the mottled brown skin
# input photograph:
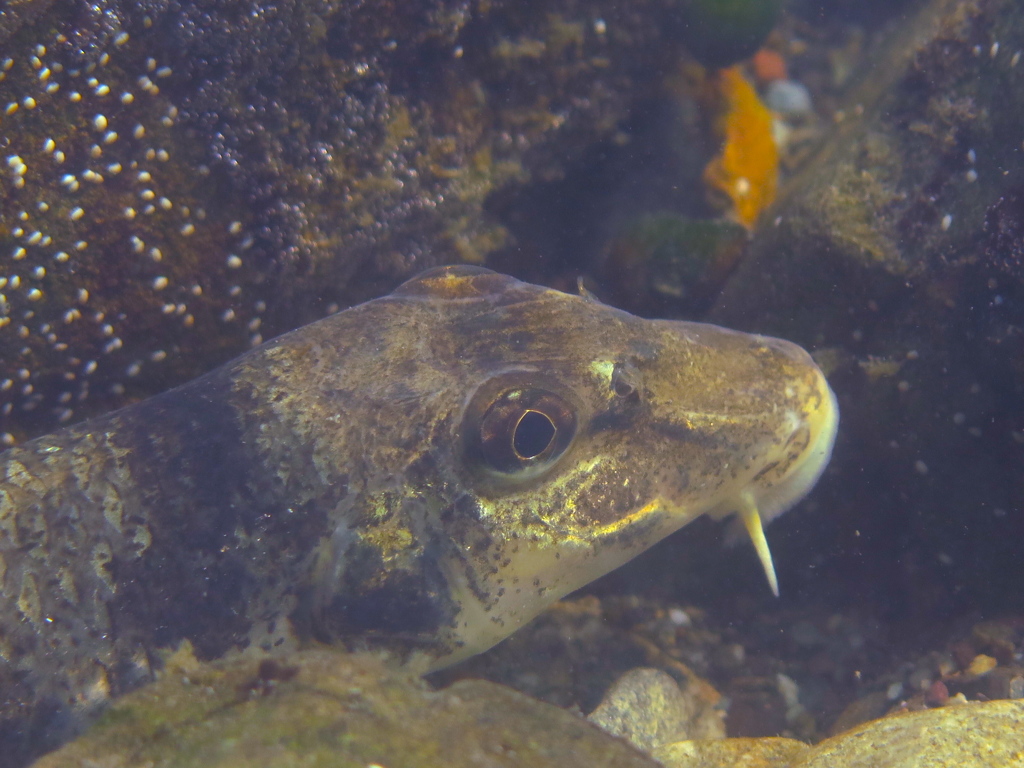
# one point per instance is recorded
(351, 483)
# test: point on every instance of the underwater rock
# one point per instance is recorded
(179, 181)
(895, 251)
(771, 752)
(323, 708)
(967, 735)
(647, 708)
(318, 708)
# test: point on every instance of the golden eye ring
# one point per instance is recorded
(532, 434)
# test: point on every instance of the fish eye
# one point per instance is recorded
(523, 429)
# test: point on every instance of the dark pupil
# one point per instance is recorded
(533, 434)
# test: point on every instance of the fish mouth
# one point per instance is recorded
(790, 471)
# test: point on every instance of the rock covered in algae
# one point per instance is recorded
(320, 708)
(897, 250)
(970, 735)
(647, 708)
(180, 180)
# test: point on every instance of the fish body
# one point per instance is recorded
(424, 473)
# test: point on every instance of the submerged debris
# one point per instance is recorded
(746, 169)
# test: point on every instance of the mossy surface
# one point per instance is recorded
(181, 181)
(318, 709)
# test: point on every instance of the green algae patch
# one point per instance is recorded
(322, 708)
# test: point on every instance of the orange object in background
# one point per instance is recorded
(747, 167)
(768, 66)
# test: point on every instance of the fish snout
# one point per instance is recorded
(792, 469)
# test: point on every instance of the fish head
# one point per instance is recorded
(570, 436)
